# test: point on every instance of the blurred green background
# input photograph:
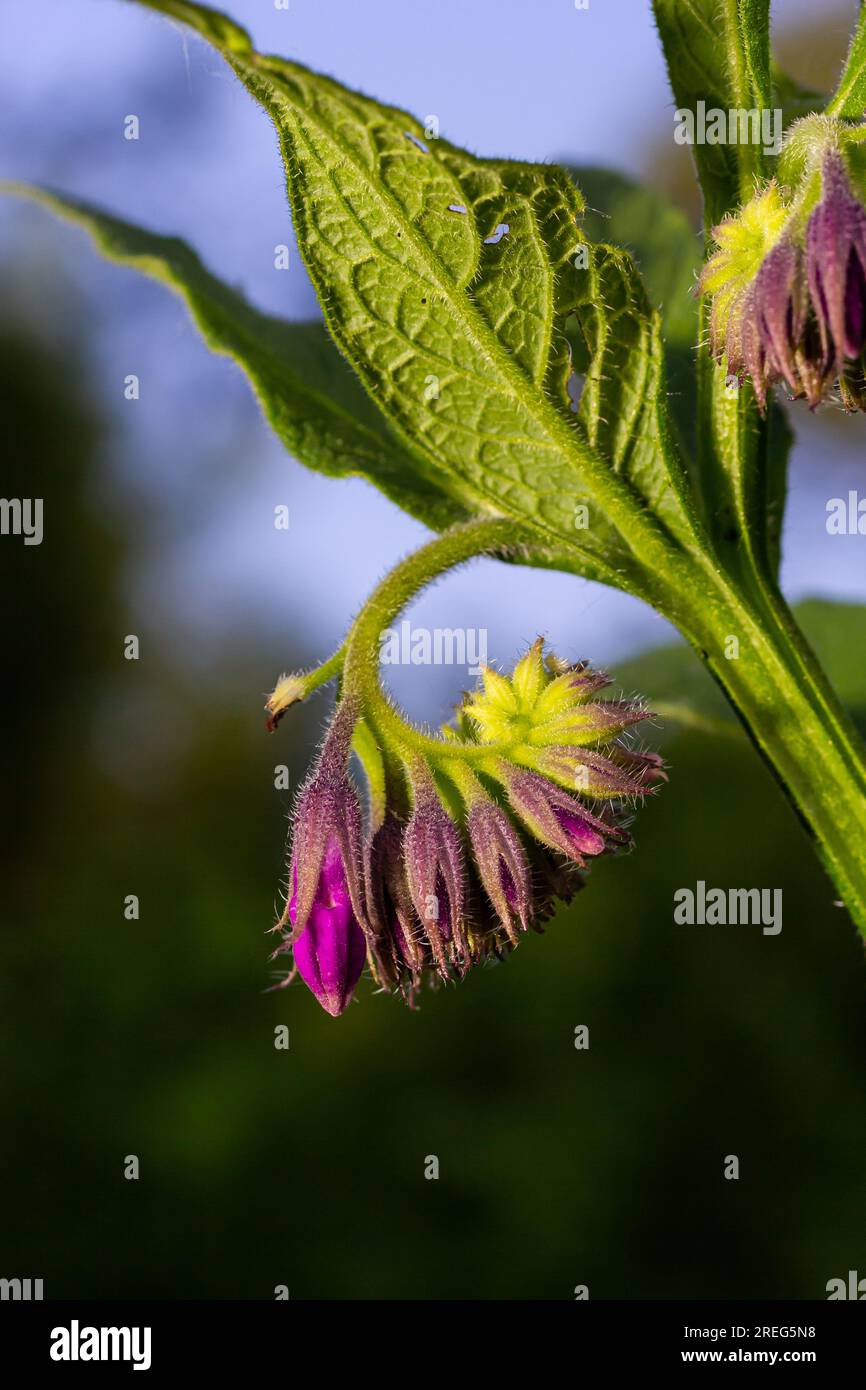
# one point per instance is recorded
(261, 1167)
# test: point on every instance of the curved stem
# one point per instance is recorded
(399, 587)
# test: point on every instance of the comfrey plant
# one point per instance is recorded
(510, 390)
(474, 835)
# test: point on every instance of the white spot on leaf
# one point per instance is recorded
(502, 230)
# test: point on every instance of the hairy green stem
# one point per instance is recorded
(782, 696)
(779, 691)
(750, 157)
(362, 650)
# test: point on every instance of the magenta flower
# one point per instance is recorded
(325, 908)
(331, 950)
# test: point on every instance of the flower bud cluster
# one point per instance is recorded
(472, 838)
(788, 277)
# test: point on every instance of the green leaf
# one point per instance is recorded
(718, 52)
(742, 467)
(623, 407)
(311, 400)
(849, 100)
(447, 282)
(668, 253)
(665, 245)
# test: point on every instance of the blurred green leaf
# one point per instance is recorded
(679, 688)
(668, 252)
(310, 398)
(666, 247)
(837, 631)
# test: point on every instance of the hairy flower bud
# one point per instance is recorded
(502, 865)
(836, 265)
(325, 906)
(435, 873)
(492, 844)
(397, 944)
(560, 820)
(330, 951)
(788, 280)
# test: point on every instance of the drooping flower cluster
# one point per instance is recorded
(478, 835)
(788, 280)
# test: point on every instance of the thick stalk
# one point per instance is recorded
(780, 692)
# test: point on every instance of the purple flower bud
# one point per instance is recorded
(645, 768)
(331, 950)
(836, 265)
(389, 904)
(774, 320)
(559, 820)
(782, 304)
(609, 774)
(501, 864)
(789, 296)
(326, 908)
(436, 875)
(327, 810)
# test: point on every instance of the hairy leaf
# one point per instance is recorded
(743, 461)
(849, 100)
(447, 281)
(668, 253)
(623, 408)
(666, 247)
(312, 401)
